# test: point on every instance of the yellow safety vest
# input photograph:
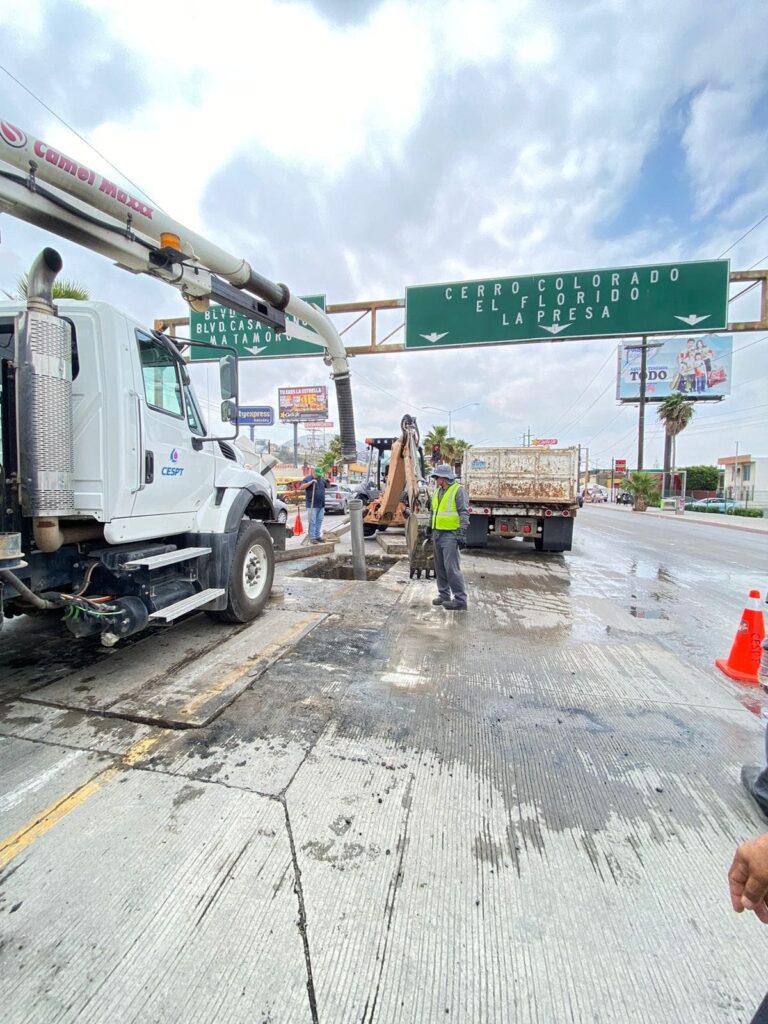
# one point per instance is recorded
(444, 514)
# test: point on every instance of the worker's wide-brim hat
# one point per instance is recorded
(443, 471)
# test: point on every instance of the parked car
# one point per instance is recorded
(281, 510)
(337, 498)
(290, 493)
(596, 493)
(714, 505)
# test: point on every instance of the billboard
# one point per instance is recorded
(302, 405)
(695, 367)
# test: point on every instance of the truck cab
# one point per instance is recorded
(113, 478)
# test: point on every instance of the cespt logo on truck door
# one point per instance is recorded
(173, 470)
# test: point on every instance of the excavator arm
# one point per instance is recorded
(405, 500)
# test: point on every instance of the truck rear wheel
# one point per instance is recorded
(250, 575)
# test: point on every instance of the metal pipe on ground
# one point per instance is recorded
(356, 535)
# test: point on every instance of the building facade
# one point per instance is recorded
(745, 478)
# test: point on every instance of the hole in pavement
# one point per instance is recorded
(341, 569)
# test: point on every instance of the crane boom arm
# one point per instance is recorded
(44, 187)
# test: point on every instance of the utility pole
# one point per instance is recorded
(641, 408)
(644, 346)
(295, 444)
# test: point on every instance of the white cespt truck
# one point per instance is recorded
(122, 503)
(529, 492)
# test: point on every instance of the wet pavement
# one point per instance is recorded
(524, 813)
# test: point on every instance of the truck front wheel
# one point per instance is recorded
(250, 575)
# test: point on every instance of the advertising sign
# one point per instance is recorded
(696, 367)
(255, 415)
(302, 405)
(320, 425)
(666, 298)
(544, 441)
(620, 466)
(250, 338)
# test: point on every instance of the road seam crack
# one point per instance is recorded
(302, 922)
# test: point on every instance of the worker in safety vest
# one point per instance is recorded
(450, 519)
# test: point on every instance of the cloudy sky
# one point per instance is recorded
(355, 147)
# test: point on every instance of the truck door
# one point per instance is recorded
(178, 474)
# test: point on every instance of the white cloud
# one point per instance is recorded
(423, 142)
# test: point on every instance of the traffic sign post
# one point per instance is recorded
(666, 298)
(250, 338)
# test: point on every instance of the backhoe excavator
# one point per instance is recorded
(405, 500)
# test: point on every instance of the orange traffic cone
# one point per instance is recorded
(298, 528)
(744, 659)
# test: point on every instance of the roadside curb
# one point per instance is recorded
(711, 519)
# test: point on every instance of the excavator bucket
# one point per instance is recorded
(421, 554)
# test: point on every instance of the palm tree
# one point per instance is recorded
(63, 289)
(333, 456)
(451, 448)
(437, 437)
(675, 413)
(459, 451)
(644, 488)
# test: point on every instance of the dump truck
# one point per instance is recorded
(123, 500)
(530, 493)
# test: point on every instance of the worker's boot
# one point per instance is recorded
(454, 606)
(438, 601)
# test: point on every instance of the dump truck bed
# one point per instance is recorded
(521, 475)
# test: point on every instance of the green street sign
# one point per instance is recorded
(667, 298)
(250, 338)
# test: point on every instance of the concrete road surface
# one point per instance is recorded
(363, 808)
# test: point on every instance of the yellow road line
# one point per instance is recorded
(44, 822)
(240, 670)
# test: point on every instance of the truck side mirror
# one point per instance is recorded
(228, 411)
(228, 380)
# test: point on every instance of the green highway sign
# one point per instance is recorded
(666, 298)
(251, 338)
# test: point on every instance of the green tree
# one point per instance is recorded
(702, 478)
(438, 435)
(333, 456)
(452, 449)
(62, 289)
(675, 413)
(644, 488)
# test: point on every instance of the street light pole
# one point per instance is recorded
(449, 412)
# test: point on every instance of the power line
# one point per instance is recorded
(750, 344)
(586, 389)
(742, 237)
(82, 138)
(578, 419)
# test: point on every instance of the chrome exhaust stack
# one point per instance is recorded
(44, 398)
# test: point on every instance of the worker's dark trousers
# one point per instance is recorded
(448, 567)
(760, 787)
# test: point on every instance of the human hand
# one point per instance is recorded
(462, 539)
(748, 877)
